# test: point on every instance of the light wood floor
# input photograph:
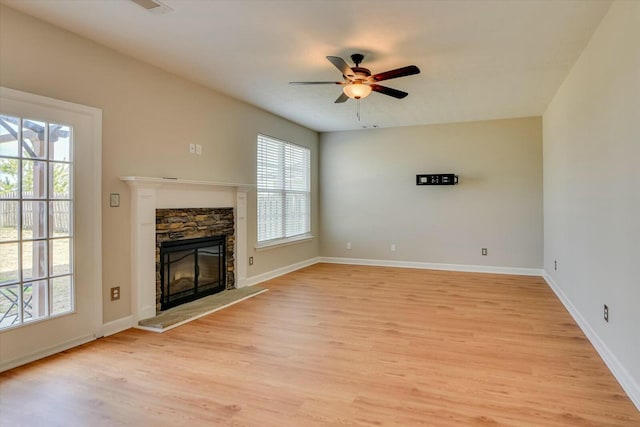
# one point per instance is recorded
(337, 345)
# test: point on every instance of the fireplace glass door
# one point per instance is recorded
(191, 269)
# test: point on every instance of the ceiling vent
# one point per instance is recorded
(153, 6)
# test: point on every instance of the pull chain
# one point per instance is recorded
(358, 109)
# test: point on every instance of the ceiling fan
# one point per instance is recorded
(359, 82)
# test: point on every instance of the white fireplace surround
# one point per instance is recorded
(149, 194)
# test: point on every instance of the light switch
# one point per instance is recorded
(114, 200)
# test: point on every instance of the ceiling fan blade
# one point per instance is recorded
(394, 74)
(342, 98)
(316, 83)
(341, 65)
(389, 91)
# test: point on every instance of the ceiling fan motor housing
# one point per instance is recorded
(360, 73)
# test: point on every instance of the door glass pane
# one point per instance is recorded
(9, 179)
(9, 127)
(60, 180)
(59, 219)
(34, 135)
(8, 220)
(9, 305)
(35, 303)
(34, 220)
(9, 266)
(61, 295)
(60, 143)
(60, 250)
(34, 260)
(34, 179)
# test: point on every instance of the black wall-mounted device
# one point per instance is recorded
(437, 179)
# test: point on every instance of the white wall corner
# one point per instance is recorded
(627, 382)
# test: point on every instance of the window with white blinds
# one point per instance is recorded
(284, 189)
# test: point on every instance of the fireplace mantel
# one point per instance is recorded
(149, 194)
(176, 182)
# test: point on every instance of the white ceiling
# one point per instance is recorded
(479, 59)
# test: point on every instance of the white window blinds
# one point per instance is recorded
(284, 189)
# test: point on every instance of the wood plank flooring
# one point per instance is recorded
(339, 345)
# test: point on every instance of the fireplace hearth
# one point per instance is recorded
(191, 269)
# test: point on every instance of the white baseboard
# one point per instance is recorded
(627, 382)
(117, 325)
(434, 266)
(45, 352)
(254, 280)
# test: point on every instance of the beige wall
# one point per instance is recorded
(149, 118)
(592, 190)
(368, 194)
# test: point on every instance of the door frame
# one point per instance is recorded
(38, 345)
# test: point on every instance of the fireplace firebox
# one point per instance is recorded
(191, 269)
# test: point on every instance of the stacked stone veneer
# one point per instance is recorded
(182, 224)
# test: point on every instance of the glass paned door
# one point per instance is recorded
(36, 233)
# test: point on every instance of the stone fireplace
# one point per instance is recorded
(149, 195)
(194, 254)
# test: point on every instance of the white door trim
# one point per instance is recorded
(14, 102)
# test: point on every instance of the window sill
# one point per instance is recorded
(272, 244)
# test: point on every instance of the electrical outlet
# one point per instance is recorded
(555, 265)
(198, 149)
(606, 313)
(484, 251)
(393, 247)
(115, 293)
(250, 260)
(349, 245)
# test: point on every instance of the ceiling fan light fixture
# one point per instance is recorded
(357, 90)
(358, 82)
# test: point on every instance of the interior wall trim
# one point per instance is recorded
(254, 280)
(624, 378)
(44, 352)
(117, 325)
(435, 266)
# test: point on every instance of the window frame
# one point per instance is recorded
(282, 239)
